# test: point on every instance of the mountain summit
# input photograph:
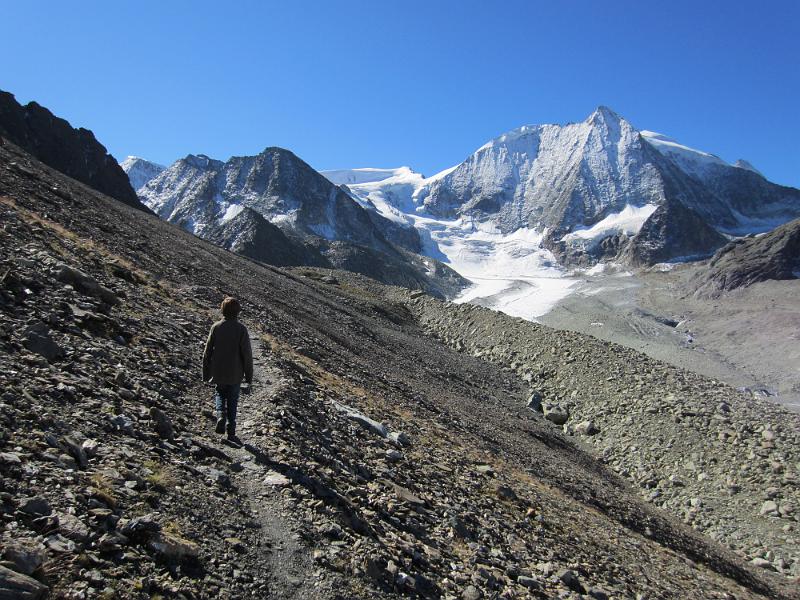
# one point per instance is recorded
(592, 186)
(204, 195)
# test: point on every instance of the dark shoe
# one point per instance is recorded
(220, 428)
(232, 438)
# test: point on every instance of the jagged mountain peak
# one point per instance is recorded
(140, 170)
(744, 164)
(604, 113)
(201, 161)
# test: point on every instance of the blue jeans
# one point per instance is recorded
(226, 401)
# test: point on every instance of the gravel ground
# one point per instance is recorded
(749, 337)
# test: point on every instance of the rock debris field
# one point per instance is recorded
(388, 447)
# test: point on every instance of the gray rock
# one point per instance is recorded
(84, 283)
(556, 414)
(90, 447)
(598, 594)
(10, 458)
(770, 507)
(460, 530)
(570, 579)
(25, 560)
(112, 542)
(58, 543)
(73, 528)
(162, 424)
(764, 564)
(76, 451)
(587, 428)
(363, 420)
(123, 423)
(398, 438)
(18, 586)
(471, 593)
(528, 582)
(535, 401)
(35, 506)
(393, 455)
(140, 528)
(38, 340)
(173, 549)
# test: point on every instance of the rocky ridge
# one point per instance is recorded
(576, 182)
(74, 152)
(377, 462)
(745, 261)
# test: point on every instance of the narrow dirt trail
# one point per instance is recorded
(283, 559)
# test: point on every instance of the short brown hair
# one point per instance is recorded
(231, 308)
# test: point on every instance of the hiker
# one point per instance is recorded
(227, 360)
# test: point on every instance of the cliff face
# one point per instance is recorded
(74, 152)
(743, 262)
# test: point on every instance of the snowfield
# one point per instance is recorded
(628, 221)
(509, 272)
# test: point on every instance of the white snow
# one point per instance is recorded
(140, 171)
(509, 272)
(363, 175)
(231, 211)
(628, 221)
(689, 159)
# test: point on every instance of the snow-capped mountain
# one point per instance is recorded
(590, 187)
(140, 171)
(510, 218)
(208, 197)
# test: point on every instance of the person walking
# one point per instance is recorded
(227, 359)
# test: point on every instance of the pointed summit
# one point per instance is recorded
(140, 170)
(743, 164)
(605, 114)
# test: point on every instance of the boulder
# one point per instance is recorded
(770, 507)
(162, 424)
(84, 283)
(18, 586)
(556, 414)
(35, 506)
(76, 451)
(24, 560)
(535, 401)
(172, 549)
(586, 428)
(38, 340)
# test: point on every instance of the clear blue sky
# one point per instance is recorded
(348, 84)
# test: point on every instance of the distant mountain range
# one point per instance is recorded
(585, 192)
(300, 216)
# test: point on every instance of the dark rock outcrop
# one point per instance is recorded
(673, 232)
(743, 262)
(74, 152)
(251, 235)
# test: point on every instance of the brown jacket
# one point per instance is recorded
(228, 357)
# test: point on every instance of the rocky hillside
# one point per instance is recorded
(203, 195)
(699, 449)
(74, 152)
(377, 461)
(743, 262)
